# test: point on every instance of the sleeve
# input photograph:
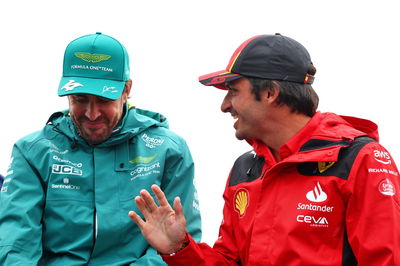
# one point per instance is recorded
(21, 204)
(179, 182)
(224, 251)
(150, 258)
(373, 210)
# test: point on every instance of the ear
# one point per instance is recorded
(271, 94)
(127, 89)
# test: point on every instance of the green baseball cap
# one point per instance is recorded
(95, 64)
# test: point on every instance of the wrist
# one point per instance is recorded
(184, 243)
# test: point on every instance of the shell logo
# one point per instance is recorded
(241, 201)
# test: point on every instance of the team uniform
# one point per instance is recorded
(64, 202)
(333, 199)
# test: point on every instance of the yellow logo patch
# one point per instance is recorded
(323, 166)
(141, 159)
(92, 58)
(241, 201)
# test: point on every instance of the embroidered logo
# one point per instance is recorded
(152, 142)
(387, 188)
(62, 169)
(71, 85)
(317, 194)
(323, 166)
(141, 159)
(382, 157)
(217, 80)
(241, 201)
(92, 58)
(109, 89)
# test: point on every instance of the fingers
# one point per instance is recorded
(160, 195)
(137, 219)
(148, 200)
(178, 209)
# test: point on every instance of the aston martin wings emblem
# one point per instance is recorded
(92, 58)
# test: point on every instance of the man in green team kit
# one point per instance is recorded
(70, 185)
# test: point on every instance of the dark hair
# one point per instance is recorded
(301, 98)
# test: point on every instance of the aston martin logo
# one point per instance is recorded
(323, 166)
(141, 159)
(92, 58)
(241, 203)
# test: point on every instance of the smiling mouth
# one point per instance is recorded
(93, 125)
(236, 119)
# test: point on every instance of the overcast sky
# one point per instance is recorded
(353, 44)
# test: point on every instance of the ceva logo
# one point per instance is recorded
(317, 194)
(320, 221)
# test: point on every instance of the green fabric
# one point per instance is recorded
(59, 186)
(95, 64)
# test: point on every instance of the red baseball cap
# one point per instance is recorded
(274, 57)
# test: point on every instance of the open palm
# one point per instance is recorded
(163, 227)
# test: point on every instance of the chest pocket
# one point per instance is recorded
(69, 180)
(137, 169)
(342, 167)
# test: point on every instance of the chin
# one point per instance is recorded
(239, 136)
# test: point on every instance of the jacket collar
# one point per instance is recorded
(325, 132)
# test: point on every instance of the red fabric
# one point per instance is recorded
(280, 226)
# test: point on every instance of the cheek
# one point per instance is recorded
(76, 112)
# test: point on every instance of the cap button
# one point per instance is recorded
(98, 32)
(278, 34)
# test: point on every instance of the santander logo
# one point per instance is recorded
(317, 194)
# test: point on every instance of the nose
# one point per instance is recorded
(226, 104)
(92, 110)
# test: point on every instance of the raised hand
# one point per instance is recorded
(163, 227)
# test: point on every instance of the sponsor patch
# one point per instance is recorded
(382, 170)
(145, 170)
(317, 194)
(66, 185)
(314, 221)
(241, 201)
(323, 166)
(109, 89)
(152, 142)
(71, 85)
(382, 157)
(92, 58)
(58, 159)
(62, 169)
(142, 159)
(387, 188)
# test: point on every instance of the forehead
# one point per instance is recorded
(88, 96)
(238, 83)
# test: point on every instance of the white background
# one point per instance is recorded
(353, 44)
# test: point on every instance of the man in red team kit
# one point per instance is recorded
(317, 188)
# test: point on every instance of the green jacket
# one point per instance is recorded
(66, 203)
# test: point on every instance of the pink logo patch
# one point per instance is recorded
(386, 187)
(217, 80)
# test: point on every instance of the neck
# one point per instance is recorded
(284, 128)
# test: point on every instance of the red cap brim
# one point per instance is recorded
(218, 79)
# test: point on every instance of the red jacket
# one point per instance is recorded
(333, 199)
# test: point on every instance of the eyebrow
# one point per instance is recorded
(85, 96)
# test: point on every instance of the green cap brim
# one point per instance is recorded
(110, 89)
